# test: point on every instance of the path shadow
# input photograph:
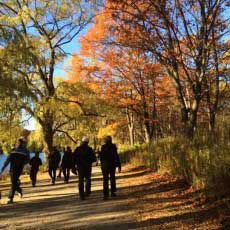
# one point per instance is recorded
(196, 216)
(70, 212)
(66, 211)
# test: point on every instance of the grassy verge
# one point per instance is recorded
(203, 162)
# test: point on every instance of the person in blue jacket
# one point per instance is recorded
(17, 159)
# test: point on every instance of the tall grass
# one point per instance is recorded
(203, 162)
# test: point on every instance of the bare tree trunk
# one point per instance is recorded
(147, 129)
(192, 123)
(48, 133)
(131, 135)
(48, 142)
(130, 119)
(212, 119)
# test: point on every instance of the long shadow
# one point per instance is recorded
(154, 188)
(197, 216)
(73, 209)
(138, 168)
(93, 213)
(74, 181)
(70, 211)
(127, 176)
(97, 177)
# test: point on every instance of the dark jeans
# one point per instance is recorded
(52, 174)
(33, 176)
(84, 181)
(66, 173)
(60, 172)
(15, 183)
(108, 174)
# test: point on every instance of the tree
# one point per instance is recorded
(37, 32)
(10, 124)
(182, 36)
(128, 78)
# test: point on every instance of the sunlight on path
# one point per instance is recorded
(59, 207)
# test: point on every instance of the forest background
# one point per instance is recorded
(152, 74)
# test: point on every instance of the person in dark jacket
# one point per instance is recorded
(53, 164)
(109, 161)
(18, 157)
(60, 168)
(35, 163)
(83, 157)
(67, 163)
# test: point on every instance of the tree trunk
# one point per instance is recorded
(130, 119)
(148, 136)
(131, 134)
(192, 123)
(184, 120)
(48, 139)
(147, 126)
(212, 118)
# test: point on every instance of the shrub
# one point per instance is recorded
(203, 162)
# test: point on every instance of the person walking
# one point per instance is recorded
(109, 161)
(35, 163)
(83, 157)
(67, 163)
(17, 159)
(53, 164)
(60, 168)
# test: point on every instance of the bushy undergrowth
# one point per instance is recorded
(203, 162)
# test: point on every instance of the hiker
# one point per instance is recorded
(60, 168)
(84, 157)
(109, 161)
(17, 159)
(35, 163)
(67, 163)
(53, 163)
(97, 157)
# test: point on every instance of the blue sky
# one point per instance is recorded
(60, 71)
(71, 48)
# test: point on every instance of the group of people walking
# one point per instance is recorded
(64, 163)
(79, 162)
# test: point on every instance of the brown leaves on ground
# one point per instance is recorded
(146, 200)
(165, 202)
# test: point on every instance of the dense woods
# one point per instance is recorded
(153, 74)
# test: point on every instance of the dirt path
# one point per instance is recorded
(145, 201)
(58, 207)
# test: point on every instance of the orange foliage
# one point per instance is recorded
(123, 76)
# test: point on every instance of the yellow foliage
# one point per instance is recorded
(110, 130)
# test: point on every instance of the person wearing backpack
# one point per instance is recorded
(109, 161)
(84, 157)
(17, 159)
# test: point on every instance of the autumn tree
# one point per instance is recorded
(36, 33)
(183, 36)
(129, 78)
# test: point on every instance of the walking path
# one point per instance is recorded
(145, 200)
